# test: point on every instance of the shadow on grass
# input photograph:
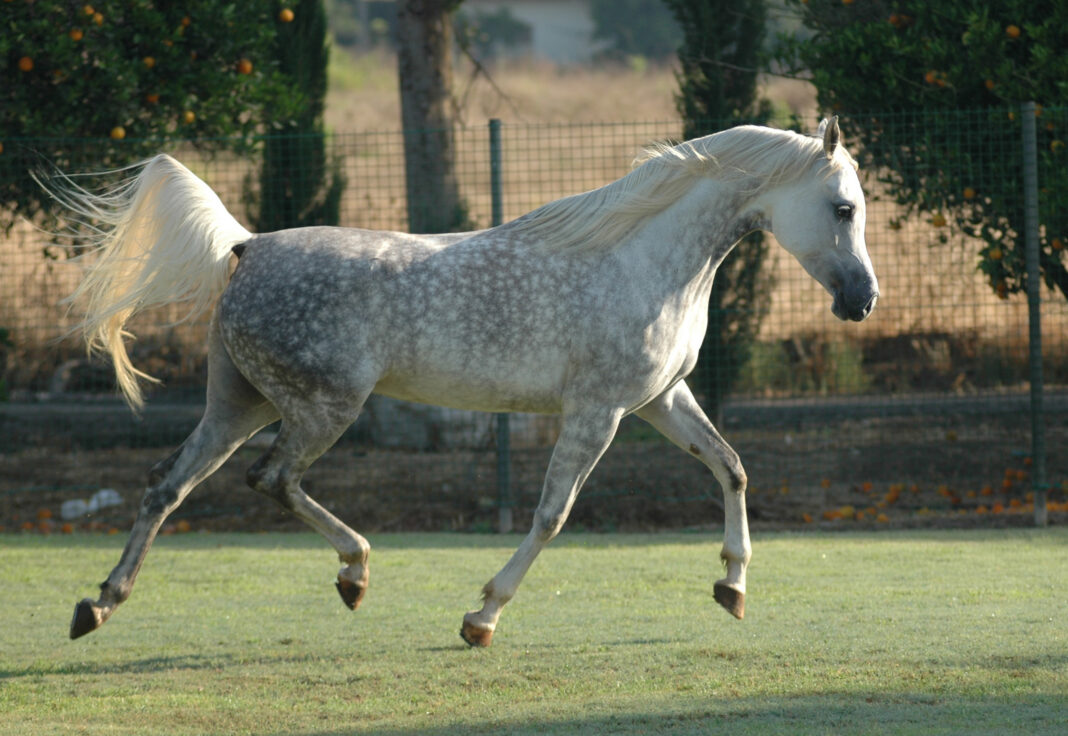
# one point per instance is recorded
(852, 713)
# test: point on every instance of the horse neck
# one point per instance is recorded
(690, 238)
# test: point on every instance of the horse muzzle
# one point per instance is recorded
(853, 307)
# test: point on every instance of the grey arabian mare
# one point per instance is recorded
(593, 307)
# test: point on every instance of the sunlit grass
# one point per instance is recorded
(925, 633)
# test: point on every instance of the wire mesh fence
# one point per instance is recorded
(919, 415)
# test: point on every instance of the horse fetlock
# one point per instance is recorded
(112, 594)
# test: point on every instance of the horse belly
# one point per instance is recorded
(466, 378)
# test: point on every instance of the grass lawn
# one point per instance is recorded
(948, 632)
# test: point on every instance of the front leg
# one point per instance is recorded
(677, 415)
(583, 439)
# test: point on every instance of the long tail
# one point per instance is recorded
(162, 237)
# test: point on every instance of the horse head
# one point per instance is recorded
(819, 218)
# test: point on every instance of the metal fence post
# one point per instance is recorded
(1034, 283)
(504, 443)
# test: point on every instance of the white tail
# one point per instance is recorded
(164, 237)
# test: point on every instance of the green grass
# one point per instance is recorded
(915, 633)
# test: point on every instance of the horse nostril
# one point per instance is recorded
(867, 309)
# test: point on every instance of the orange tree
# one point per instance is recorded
(105, 83)
(931, 92)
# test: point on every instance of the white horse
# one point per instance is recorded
(593, 306)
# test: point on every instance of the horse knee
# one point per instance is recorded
(548, 523)
(738, 479)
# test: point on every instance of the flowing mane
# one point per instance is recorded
(760, 157)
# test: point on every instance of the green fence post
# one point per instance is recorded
(1034, 283)
(504, 443)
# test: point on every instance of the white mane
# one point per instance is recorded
(754, 156)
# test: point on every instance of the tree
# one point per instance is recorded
(424, 60)
(130, 76)
(298, 185)
(718, 66)
(911, 75)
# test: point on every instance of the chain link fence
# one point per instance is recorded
(918, 416)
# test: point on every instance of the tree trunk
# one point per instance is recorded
(424, 35)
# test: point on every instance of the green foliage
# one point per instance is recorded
(643, 28)
(926, 61)
(134, 74)
(718, 61)
(298, 185)
(718, 64)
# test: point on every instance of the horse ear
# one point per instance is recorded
(831, 135)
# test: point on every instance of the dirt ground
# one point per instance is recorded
(905, 471)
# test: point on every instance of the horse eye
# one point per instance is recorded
(844, 211)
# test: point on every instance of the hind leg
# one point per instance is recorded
(235, 411)
(277, 474)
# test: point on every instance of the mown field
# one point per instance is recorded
(893, 633)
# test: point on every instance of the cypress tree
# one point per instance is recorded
(717, 79)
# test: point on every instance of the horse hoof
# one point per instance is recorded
(731, 599)
(350, 592)
(86, 618)
(476, 636)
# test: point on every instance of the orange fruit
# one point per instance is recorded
(938, 221)
(244, 67)
(969, 193)
(149, 61)
(930, 77)
(183, 526)
(186, 21)
(1057, 243)
(26, 64)
(152, 98)
(1012, 31)
(44, 514)
(990, 84)
(88, 10)
(67, 528)
(76, 34)
(98, 18)
(189, 117)
(1, 147)
(118, 133)
(285, 15)
(996, 254)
